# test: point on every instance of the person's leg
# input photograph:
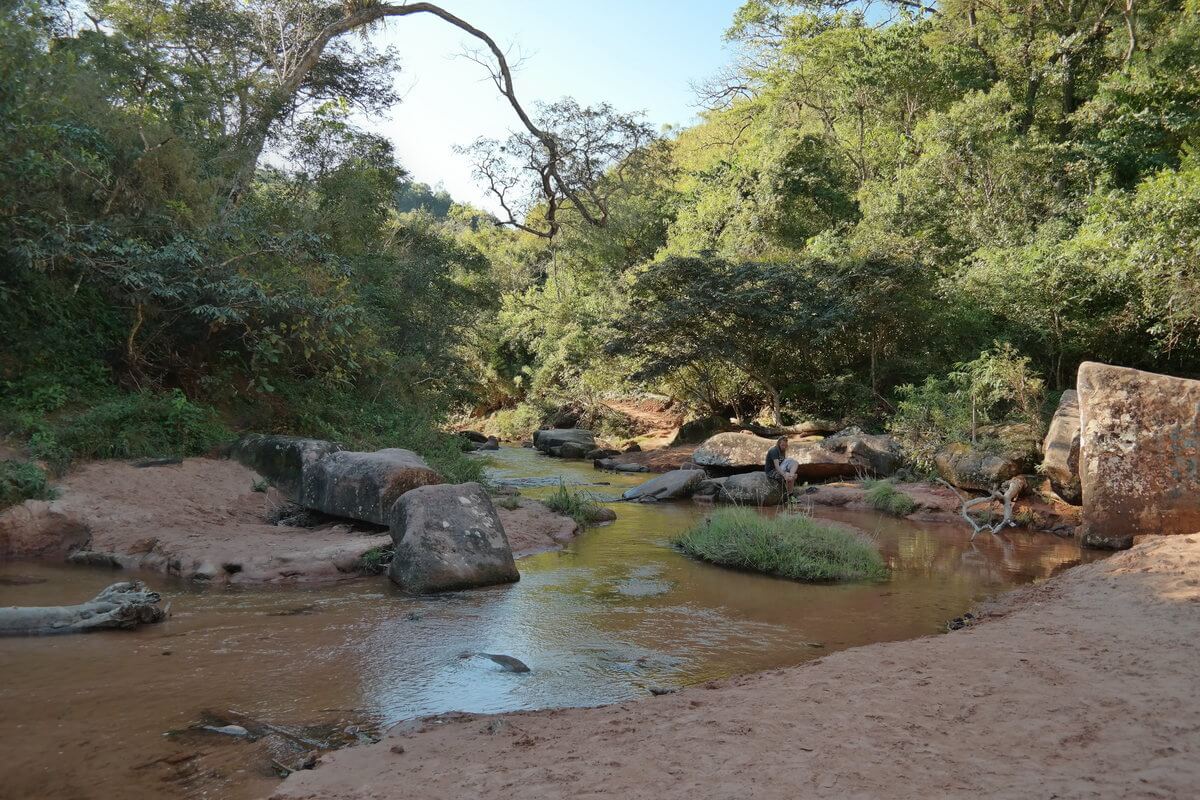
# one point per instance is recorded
(789, 478)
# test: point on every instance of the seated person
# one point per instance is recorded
(781, 468)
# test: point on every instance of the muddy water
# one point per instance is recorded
(614, 615)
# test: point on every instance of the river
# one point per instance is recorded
(614, 615)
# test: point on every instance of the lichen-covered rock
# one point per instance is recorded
(1139, 454)
(744, 452)
(976, 470)
(1060, 450)
(281, 459)
(877, 454)
(448, 537)
(744, 488)
(733, 450)
(674, 485)
(40, 529)
(549, 440)
(363, 486)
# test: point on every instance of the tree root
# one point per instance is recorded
(123, 605)
(1012, 490)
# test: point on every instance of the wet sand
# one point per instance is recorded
(1084, 686)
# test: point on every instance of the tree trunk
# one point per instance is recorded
(122, 605)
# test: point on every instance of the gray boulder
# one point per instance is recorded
(878, 454)
(674, 485)
(490, 443)
(745, 488)
(1060, 459)
(548, 440)
(281, 459)
(572, 450)
(734, 450)
(976, 470)
(363, 486)
(745, 452)
(448, 537)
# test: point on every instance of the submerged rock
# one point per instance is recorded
(1060, 460)
(364, 486)
(674, 485)
(281, 459)
(1139, 451)
(448, 537)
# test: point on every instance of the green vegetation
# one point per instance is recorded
(788, 545)
(576, 504)
(511, 502)
(20, 481)
(376, 560)
(922, 220)
(882, 495)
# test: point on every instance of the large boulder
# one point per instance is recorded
(1139, 454)
(448, 537)
(674, 485)
(550, 440)
(363, 486)
(734, 451)
(281, 459)
(744, 488)
(572, 450)
(878, 454)
(1060, 450)
(976, 470)
(698, 430)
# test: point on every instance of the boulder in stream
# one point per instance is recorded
(448, 537)
(677, 484)
(281, 459)
(738, 452)
(364, 486)
(551, 440)
(745, 488)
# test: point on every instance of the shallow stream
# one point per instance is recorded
(614, 615)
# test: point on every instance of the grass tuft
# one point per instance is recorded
(575, 504)
(882, 495)
(21, 481)
(788, 545)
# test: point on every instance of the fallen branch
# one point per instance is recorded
(1012, 490)
(123, 605)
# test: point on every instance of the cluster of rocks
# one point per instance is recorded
(445, 536)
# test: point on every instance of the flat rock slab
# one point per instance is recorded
(364, 486)
(448, 537)
(677, 484)
(281, 459)
(1139, 451)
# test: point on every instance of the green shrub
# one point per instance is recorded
(142, 424)
(882, 495)
(20, 481)
(510, 502)
(515, 423)
(575, 504)
(789, 545)
(376, 560)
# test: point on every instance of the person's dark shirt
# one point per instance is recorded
(773, 455)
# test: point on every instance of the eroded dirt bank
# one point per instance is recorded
(1080, 687)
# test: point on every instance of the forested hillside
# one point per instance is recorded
(889, 213)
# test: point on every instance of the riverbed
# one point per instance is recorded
(616, 614)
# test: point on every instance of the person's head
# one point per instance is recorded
(782, 442)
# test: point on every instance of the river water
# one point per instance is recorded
(614, 615)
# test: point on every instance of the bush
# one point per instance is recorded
(577, 505)
(376, 560)
(789, 545)
(20, 481)
(882, 495)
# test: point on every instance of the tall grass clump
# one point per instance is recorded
(20, 481)
(882, 495)
(788, 545)
(575, 504)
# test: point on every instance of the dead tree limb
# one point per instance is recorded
(122, 605)
(1012, 490)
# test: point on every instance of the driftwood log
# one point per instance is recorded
(1012, 490)
(122, 605)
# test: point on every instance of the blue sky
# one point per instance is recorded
(638, 56)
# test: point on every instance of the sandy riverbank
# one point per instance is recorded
(1083, 686)
(202, 519)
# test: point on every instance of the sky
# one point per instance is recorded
(637, 55)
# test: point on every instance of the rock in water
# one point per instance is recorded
(509, 663)
(548, 440)
(1060, 462)
(746, 488)
(448, 537)
(674, 485)
(364, 486)
(967, 468)
(1139, 454)
(281, 459)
